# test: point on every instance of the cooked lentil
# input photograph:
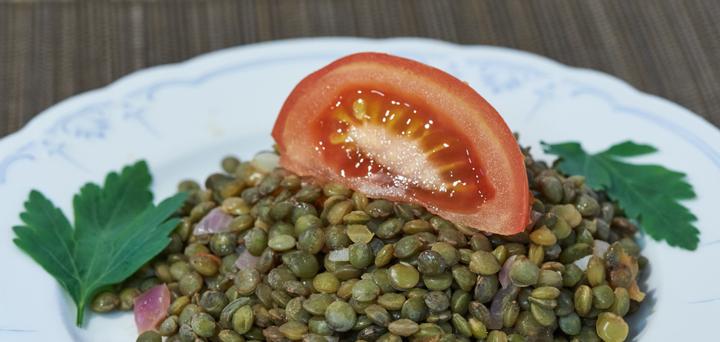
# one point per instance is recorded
(398, 271)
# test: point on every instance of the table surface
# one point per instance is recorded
(50, 50)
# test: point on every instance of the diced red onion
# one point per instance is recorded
(502, 298)
(504, 276)
(600, 247)
(151, 307)
(245, 259)
(582, 262)
(216, 221)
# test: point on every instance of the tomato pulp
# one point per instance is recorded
(398, 129)
(398, 146)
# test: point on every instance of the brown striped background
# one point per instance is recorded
(50, 50)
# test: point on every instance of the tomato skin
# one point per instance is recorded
(456, 103)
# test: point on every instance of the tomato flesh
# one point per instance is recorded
(397, 129)
(400, 146)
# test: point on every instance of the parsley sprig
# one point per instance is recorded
(650, 194)
(117, 229)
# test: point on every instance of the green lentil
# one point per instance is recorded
(188, 312)
(595, 271)
(583, 300)
(105, 302)
(213, 302)
(345, 289)
(361, 255)
(463, 277)
(381, 277)
(536, 254)
(551, 188)
(543, 236)
(545, 292)
(496, 336)
(246, 280)
(484, 263)
(485, 288)
(306, 222)
(403, 327)
(127, 298)
(431, 263)
(293, 330)
(169, 326)
(404, 276)
(256, 240)
(282, 243)
(477, 328)
(391, 301)
(524, 272)
(460, 301)
(359, 233)
(378, 315)
(205, 264)
(203, 324)
(500, 253)
(340, 316)
(326, 283)
(569, 213)
(542, 315)
(302, 264)
(178, 305)
(603, 297)
(336, 238)
(229, 336)
(570, 324)
(448, 252)
(389, 228)
(571, 275)
(385, 255)
(311, 240)
(365, 290)
(550, 278)
(241, 223)
(438, 282)
(318, 325)
(621, 304)
(611, 327)
(186, 334)
(266, 261)
(242, 319)
(408, 246)
(414, 309)
(587, 206)
(149, 336)
(190, 283)
(437, 301)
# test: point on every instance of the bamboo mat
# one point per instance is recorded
(50, 50)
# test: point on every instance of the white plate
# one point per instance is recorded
(183, 118)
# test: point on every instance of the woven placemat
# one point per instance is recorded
(50, 50)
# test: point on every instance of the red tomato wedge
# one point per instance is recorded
(398, 129)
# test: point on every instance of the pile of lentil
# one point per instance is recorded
(334, 265)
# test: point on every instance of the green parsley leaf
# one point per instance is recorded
(117, 230)
(649, 194)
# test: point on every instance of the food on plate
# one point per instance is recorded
(281, 257)
(397, 205)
